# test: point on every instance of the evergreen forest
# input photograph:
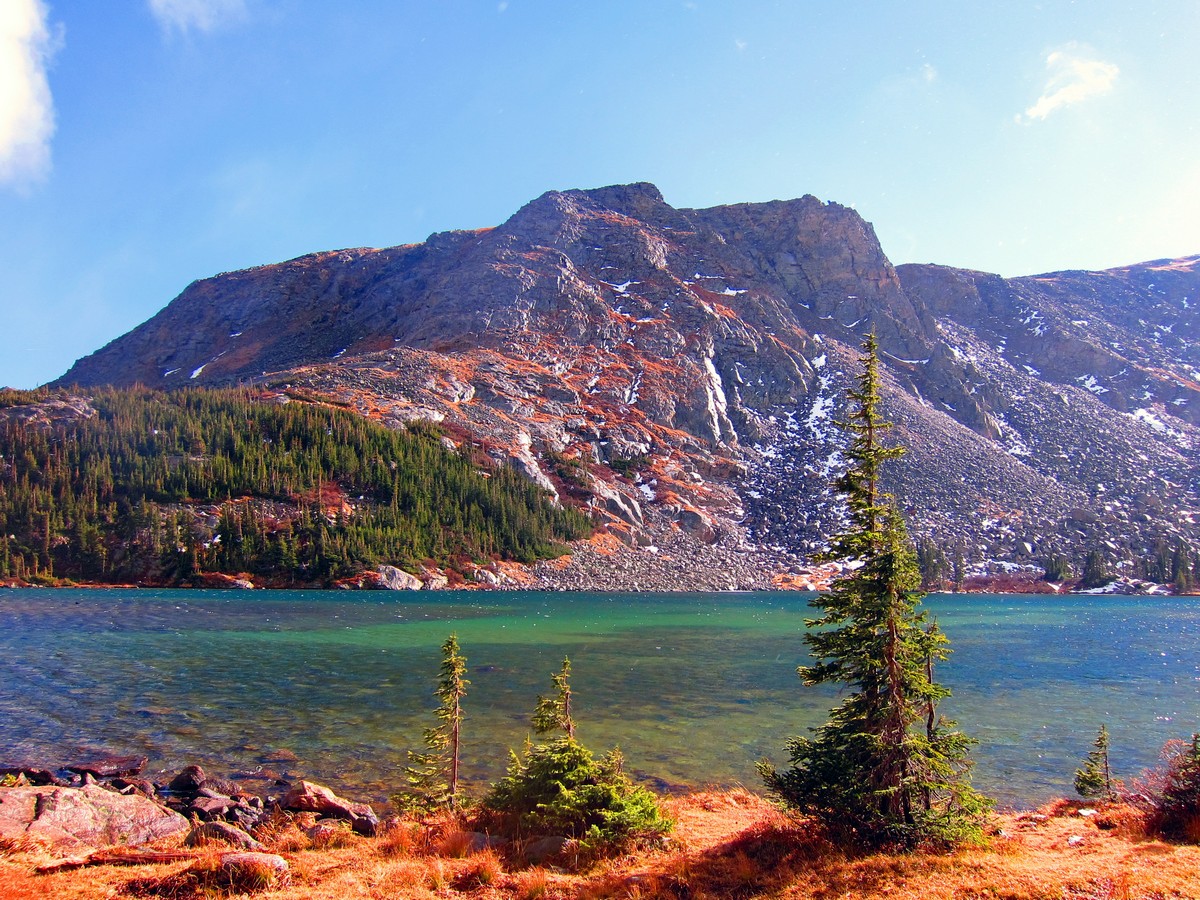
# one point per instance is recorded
(158, 488)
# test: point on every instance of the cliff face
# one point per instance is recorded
(680, 370)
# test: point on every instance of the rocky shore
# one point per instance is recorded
(108, 800)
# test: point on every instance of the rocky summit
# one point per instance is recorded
(680, 372)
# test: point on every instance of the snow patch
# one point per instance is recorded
(1149, 418)
(1090, 382)
(196, 372)
(634, 390)
(717, 402)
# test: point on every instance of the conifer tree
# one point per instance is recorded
(554, 713)
(1180, 797)
(558, 786)
(1094, 778)
(884, 769)
(433, 775)
(1095, 571)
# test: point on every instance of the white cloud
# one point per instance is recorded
(202, 15)
(929, 73)
(26, 108)
(1074, 77)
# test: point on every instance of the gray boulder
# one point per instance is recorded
(305, 796)
(87, 817)
(398, 580)
(223, 833)
(254, 871)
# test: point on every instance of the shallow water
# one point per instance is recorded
(693, 687)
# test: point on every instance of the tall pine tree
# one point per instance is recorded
(884, 769)
(433, 775)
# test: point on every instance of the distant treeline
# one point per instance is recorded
(163, 486)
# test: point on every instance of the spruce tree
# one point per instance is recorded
(554, 713)
(1094, 779)
(433, 775)
(558, 786)
(1095, 571)
(1180, 799)
(885, 768)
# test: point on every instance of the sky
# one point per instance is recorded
(148, 143)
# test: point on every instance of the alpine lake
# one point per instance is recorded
(694, 687)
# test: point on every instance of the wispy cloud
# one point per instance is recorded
(202, 15)
(1074, 76)
(27, 44)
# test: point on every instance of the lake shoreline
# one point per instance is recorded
(222, 582)
(725, 843)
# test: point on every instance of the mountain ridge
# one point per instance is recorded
(704, 354)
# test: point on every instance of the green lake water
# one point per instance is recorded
(693, 687)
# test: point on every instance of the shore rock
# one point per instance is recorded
(254, 871)
(305, 796)
(87, 817)
(398, 580)
(110, 766)
(188, 781)
(222, 832)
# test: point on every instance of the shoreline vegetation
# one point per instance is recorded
(726, 843)
(242, 488)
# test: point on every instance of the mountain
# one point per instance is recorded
(679, 372)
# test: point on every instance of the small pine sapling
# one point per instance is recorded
(554, 713)
(433, 775)
(558, 787)
(1094, 778)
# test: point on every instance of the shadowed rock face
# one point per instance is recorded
(706, 353)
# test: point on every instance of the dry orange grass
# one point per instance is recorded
(728, 844)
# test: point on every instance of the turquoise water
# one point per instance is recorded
(693, 687)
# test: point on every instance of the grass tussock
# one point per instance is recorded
(209, 877)
(484, 870)
(283, 833)
(331, 836)
(399, 839)
(729, 845)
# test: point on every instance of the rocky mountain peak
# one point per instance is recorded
(682, 369)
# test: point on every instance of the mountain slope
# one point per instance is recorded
(679, 371)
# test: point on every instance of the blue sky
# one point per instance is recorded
(147, 143)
